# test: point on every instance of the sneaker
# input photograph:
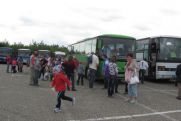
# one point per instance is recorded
(133, 101)
(56, 110)
(73, 101)
(178, 98)
(127, 100)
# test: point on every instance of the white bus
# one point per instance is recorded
(25, 54)
(163, 54)
(43, 53)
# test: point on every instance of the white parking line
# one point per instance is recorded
(150, 109)
(131, 116)
(161, 91)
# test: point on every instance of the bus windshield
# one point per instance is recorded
(170, 49)
(5, 51)
(117, 46)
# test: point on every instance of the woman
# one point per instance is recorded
(130, 68)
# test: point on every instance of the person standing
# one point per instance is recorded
(43, 63)
(93, 65)
(143, 65)
(131, 68)
(37, 68)
(106, 71)
(70, 69)
(178, 79)
(113, 72)
(8, 60)
(32, 63)
(81, 72)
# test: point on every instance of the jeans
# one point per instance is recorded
(8, 65)
(142, 75)
(36, 76)
(111, 84)
(116, 85)
(132, 90)
(80, 76)
(106, 78)
(71, 78)
(92, 77)
(60, 96)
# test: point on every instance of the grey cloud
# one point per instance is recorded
(27, 21)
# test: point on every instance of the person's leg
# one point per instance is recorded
(73, 81)
(66, 97)
(90, 78)
(179, 90)
(93, 77)
(109, 87)
(116, 85)
(144, 71)
(36, 76)
(112, 85)
(59, 97)
(126, 88)
(79, 76)
(31, 75)
(82, 79)
(7, 68)
(129, 92)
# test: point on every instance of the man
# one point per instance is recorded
(43, 63)
(93, 65)
(178, 75)
(143, 65)
(35, 68)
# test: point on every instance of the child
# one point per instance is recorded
(60, 81)
(81, 71)
(113, 72)
(14, 63)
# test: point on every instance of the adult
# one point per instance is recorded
(143, 65)
(69, 69)
(131, 68)
(20, 64)
(34, 68)
(93, 65)
(178, 75)
(8, 60)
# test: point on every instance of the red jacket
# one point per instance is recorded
(60, 81)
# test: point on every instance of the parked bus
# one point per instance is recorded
(25, 54)
(108, 45)
(4, 51)
(163, 54)
(43, 53)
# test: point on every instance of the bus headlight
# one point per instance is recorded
(161, 68)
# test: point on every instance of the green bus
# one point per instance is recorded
(109, 45)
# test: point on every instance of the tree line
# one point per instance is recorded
(34, 46)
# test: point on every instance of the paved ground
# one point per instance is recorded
(21, 102)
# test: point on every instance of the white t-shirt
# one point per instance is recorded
(95, 62)
(143, 65)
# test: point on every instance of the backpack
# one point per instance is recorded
(90, 59)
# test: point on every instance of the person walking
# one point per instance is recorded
(178, 79)
(131, 68)
(93, 62)
(143, 65)
(70, 69)
(113, 72)
(59, 83)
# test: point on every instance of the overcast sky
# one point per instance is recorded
(67, 21)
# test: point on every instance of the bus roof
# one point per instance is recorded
(44, 50)
(107, 35)
(168, 36)
(24, 49)
(6, 48)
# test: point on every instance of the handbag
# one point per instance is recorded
(134, 78)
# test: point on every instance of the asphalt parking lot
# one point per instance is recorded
(21, 102)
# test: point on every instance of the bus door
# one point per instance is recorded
(152, 60)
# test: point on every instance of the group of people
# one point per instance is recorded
(64, 75)
(14, 64)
